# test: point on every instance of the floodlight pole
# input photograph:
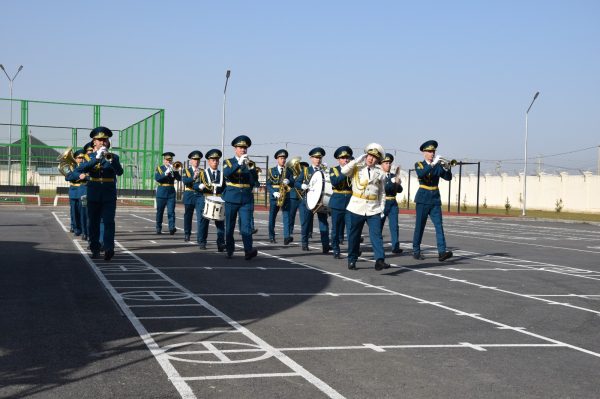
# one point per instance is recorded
(525, 167)
(10, 84)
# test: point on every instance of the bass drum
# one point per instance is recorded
(214, 208)
(319, 192)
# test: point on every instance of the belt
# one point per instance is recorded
(211, 195)
(275, 186)
(75, 184)
(430, 188)
(367, 197)
(390, 197)
(102, 179)
(238, 185)
(189, 189)
(166, 184)
(342, 191)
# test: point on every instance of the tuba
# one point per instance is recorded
(294, 165)
(66, 162)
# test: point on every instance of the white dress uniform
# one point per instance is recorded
(366, 205)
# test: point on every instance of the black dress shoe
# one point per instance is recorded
(186, 237)
(397, 250)
(418, 256)
(229, 255)
(352, 266)
(273, 241)
(362, 239)
(445, 255)
(101, 248)
(95, 254)
(158, 231)
(305, 247)
(326, 249)
(108, 254)
(220, 248)
(84, 237)
(254, 231)
(171, 232)
(286, 241)
(202, 246)
(71, 230)
(249, 255)
(380, 265)
(336, 255)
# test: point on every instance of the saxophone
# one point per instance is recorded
(284, 188)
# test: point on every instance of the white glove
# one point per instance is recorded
(304, 186)
(201, 186)
(244, 159)
(169, 170)
(99, 154)
(436, 159)
(361, 158)
(286, 181)
(276, 194)
(393, 180)
(382, 215)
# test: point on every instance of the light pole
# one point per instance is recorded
(525, 167)
(10, 84)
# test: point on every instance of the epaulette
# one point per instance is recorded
(419, 165)
(335, 172)
(187, 172)
(158, 169)
(86, 157)
(228, 162)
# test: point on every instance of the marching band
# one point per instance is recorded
(355, 192)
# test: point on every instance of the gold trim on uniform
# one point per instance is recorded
(342, 191)
(167, 184)
(371, 197)
(390, 197)
(238, 185)
(430, 188)
(102, 179)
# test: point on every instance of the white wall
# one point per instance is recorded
(579, 193)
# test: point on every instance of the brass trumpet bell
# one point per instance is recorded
(177, 166)
(66, 161)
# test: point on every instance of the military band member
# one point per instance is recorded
(342, 192)
(88, 148)
(296, 197)
(316, 156)
(367, 204)
(241, 177)
(165, 175)
(428, 200)
(101, 191)
(279, 182)
(392, 187)
(75, 181)
(190, 196)
(208, 185)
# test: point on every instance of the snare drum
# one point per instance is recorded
(214, 208)
(319, 192)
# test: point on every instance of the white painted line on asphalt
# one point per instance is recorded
(297, 368)
(238, 376)
(177, 317)
(195, 332)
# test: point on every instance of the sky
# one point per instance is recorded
(329, 73)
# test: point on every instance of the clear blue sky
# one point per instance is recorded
(328, 72)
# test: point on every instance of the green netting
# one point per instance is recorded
(41, 130)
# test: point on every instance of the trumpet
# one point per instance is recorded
(251, 164)
(108, 156)
(447, 164)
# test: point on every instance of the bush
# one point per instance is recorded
(558, 206)
(507, 205)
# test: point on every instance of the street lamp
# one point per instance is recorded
(10, 84)
(525, 168)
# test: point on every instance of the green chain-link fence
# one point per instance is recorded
(34, 133)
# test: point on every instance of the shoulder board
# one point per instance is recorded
(335, 171)
(187, 172)
(419, 165)
(158, 169)
(87, 157)
(228, 162)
